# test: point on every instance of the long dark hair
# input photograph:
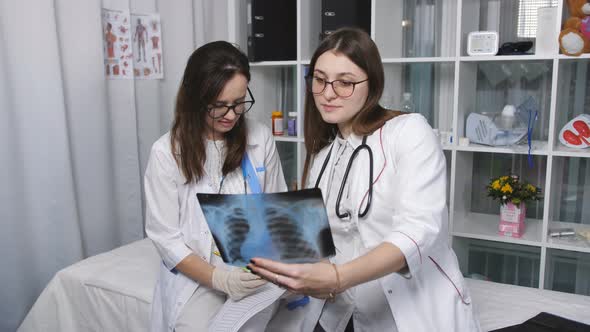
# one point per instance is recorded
(357, 46)
(208, 69)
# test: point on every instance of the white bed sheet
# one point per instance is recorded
(107, 292)
(113, 292)
(500, 305)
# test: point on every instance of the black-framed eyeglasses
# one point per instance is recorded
(342, 88)
(219, 111)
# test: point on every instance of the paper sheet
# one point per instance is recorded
(234, 314)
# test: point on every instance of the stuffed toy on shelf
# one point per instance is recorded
(574, 39)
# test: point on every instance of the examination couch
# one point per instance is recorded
(113, 292)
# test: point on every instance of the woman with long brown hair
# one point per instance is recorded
(383, 179)
(209, 149)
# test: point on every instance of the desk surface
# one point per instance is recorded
(114, 290)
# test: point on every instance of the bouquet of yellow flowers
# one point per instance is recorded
(509, 189)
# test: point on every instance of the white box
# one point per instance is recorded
(482, 43)
(547, 32)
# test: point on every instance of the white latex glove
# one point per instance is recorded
(236, 283)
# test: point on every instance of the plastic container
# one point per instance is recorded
(507, 117)
(277, 123)
(407, 104)
(292, 124)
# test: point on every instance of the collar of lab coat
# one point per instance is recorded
(254, 136)
(354, 140)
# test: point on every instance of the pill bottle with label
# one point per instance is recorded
(277, 123)
(292, 124)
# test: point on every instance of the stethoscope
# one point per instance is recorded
(343, 184)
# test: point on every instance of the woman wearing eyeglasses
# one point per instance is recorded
(383, 178)
(211, 148)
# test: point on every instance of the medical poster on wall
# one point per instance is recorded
(118, 53)
(147, 46)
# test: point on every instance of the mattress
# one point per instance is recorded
(107, 292)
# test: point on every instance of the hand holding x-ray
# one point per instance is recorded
(236, 283)
(320, 280)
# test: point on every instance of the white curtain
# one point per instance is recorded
(74, 145)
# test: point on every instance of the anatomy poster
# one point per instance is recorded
(290, 227)
(118, 56)
(147, 46)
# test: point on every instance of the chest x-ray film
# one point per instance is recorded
(290, 227)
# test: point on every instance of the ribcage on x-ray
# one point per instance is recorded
(287, 237)
(237, 228)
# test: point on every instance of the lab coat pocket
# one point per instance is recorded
(455, 280)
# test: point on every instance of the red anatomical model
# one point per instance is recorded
(582, 128)
(571, 138)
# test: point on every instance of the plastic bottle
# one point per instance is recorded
(507, 117)
(292, 124)
(277, 123)
(407, 104)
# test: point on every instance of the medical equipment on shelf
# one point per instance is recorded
(506, 128)
(576, 133)
(496, 129)
(482, 43)
(561, 232)
(463, 141)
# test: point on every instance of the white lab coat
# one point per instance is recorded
(175, 221)
(408, 210)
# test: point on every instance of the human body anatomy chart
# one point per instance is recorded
(132, 45)
(147, 46)
(118, 54)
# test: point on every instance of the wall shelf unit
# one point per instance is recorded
(422, 44)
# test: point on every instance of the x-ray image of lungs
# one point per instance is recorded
(290, 227)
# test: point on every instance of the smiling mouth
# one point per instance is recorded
(330, 107)
(226, 123)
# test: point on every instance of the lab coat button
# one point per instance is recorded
(389, 291)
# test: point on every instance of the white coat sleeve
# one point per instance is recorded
(420, 191)
(162, 223)
(275, 179)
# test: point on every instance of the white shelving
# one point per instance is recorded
(285, 138)
(537, 148)
(423, 51)
(485, 227)
(273, 63)
(564, 151)
(506, 58)
(418, 60)
(576, 243)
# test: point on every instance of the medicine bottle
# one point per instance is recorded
(407, 104)
(292, 124)
(277, 123)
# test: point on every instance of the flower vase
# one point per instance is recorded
(512, 219)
